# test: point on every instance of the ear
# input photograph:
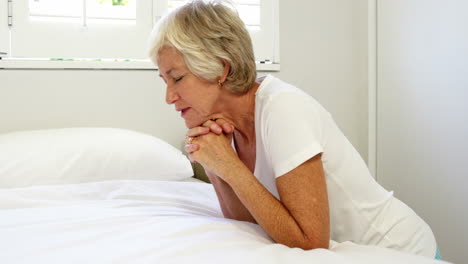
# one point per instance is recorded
(227, 68)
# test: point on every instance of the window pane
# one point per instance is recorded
(249, 11)
(173, 4)
(56, 8)
(250, 14)
(111, 9)
(60, 10)
(247, 2)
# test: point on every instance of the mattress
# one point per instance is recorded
(143, 221)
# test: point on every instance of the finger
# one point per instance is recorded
(213, 126)
(226, 126)
(191, 158)
(207, 123)
(190, 148)
(188, 140)
(198, 131)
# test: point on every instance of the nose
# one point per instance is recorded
(171, 95)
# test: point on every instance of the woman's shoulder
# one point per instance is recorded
(271, 86)
(274, 93)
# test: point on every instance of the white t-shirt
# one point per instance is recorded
(291, 127)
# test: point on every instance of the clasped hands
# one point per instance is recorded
(210, 145)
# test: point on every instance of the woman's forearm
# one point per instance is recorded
(272, 215)
(230, 204)
(299, 219)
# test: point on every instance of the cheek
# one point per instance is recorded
(201, 97)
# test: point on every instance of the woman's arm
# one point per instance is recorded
(303, 210)
(230, 204)
(299, 219)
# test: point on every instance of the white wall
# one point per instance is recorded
(322, 51)
(423, 113)
(39, 99)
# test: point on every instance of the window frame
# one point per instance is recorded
(52, 40)
(158, 9)
(4, 29)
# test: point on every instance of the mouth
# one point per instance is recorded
(183, 111)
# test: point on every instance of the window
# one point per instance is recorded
(82, 11)
(109, 29)
(261, 19)
(249, 11)
(80, 28)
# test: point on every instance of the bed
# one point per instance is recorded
(105, 195)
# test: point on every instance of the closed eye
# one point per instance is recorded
(179, 79)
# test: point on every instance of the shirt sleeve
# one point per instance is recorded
(292, 130)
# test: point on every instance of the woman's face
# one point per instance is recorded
(193, 97)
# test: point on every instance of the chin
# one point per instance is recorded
(191, 124)
(192, 121)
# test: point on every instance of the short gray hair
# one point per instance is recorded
(208, 33)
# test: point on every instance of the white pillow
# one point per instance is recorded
(75, 155)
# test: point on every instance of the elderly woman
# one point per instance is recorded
(273, 154)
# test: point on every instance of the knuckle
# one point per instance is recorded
(191, 132)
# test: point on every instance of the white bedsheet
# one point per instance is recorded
(147, 222)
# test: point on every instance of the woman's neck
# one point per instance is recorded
(240, 111)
